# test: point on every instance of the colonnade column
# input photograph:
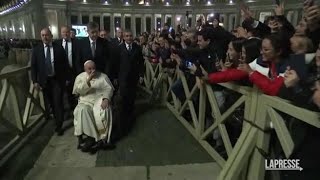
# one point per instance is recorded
(226, 22)
(80, 18)
(28, 26)
(101, 22)
(153, 19)
(238, 19)
(143, 23)
(122, 21)
(133, 25)
(173, 20)
(112, 34)
(194, 19)
(163, 19)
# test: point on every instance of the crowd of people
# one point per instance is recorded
(100, 74)
(276, 57)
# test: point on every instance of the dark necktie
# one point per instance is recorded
(48, 61)
(93, 49)
(66, 47)
(129, 47)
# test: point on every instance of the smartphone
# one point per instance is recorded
(189, 64)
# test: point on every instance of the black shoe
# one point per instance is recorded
(80, 146)
(80, 142)
(89, 142)
(94, 148)
(59, 131)
(107, 146)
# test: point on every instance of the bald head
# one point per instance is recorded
(89, 66)
(46, 35)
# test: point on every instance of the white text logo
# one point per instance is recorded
(283, 164)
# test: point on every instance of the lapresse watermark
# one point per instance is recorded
(282, 164)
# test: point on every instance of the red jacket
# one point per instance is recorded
(226, 76)
(265, 84)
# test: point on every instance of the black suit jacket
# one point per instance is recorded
(76, 66)
(130, 66)
(101, 58)
(38, 67)
(115, 42)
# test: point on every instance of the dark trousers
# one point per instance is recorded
(123, 113)
(53, 97)
(72, 99)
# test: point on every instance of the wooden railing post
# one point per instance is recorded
(202, 110)
(20, 125)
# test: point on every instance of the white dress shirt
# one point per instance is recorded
(69, 50)
(128, 45)
(94, 44)
(52, 57)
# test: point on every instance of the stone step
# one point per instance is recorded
(203, 171)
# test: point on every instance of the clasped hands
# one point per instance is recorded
(105, 103)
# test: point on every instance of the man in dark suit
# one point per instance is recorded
(114, 43)
(128, 72)
(95, 48)
(119, 37)
(70, 47)
(49, 72)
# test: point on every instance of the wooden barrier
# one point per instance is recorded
(19, 122)
(244, 161)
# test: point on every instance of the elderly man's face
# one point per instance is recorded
(119, 33)
(103, 34)
(46, 36)
(128, 37)
(65, 33)
(90, 67)
(93, 33)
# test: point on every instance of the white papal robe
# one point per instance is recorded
(89, 118)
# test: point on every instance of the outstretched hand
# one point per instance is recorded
(245, 67)
(312, 16)
(245, 11)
